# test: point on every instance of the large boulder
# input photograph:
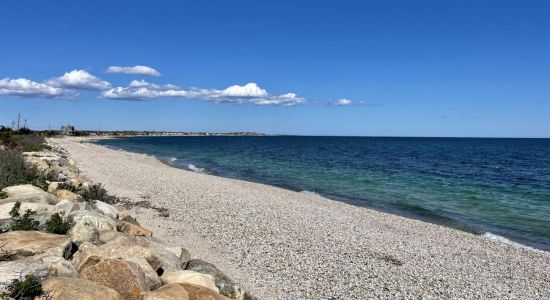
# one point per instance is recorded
(108, 236)
(11, 270)
(225, 284)
(66, 288)
(152, 279)
(160, 260)
(167, 292)
(133, 229)
(126, 277)
(43, 211)
(68, 195)
(66, 207)
(201, 293)
(23, 189)
(192, 277)
(41, 265)
(21, 244)
(38, 197)
(87, 225)
(106, 209)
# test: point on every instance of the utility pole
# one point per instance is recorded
(18, 120)
(25, 123)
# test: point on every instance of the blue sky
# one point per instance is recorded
(404, 68)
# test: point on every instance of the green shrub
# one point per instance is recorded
(27, 288)
(56, 225)
(28, 143)
(3, 195)
(93, 192)
(14, 212)
(25, 222)
(67, 186)
(15, 170)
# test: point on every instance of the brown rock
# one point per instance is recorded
(28, 243)
(67, 288)
(167, 292)
(124, 276)
(195, 292)
(122, 246)
(68, 195)
(133, 229)
(152, 279)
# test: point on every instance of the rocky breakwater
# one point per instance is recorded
(68, 240)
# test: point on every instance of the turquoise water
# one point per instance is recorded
(501, 186)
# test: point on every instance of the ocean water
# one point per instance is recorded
(496, 187)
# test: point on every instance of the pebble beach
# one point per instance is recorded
(282, 244)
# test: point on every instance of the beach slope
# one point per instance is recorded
(282, 244)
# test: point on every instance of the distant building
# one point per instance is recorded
(67, 130)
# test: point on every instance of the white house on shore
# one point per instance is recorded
(67, 130)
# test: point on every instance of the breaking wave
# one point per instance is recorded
(194, 168)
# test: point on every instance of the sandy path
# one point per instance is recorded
(287, 245)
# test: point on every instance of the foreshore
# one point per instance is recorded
(282, 244)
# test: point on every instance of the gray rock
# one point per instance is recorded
(23, 189)
(225, 284)
(87, 225)
(106, 209)
(38, 197)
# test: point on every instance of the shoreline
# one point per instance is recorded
(432, 218)
(392, 250)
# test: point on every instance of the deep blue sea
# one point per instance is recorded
(496, 186)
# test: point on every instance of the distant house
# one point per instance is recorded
(67, 130)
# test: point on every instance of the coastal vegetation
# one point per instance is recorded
(27, 288)
(93, 192)
(25, 221)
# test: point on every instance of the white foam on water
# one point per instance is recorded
(173, 159)
(194, 168)
(311, 193)
(504, 240)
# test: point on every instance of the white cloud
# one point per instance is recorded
(136, 70)
(143, 90)
(342, 102)
(249, 93)
(66, 86)
(79, 79)
(27, 88)
(248, 90)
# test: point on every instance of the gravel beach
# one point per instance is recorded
(282, 244)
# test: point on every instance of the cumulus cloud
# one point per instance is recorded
(66, 86)
(342, 102)
(79, 79)
(143, 90)
(135, 70)
(23, 87)
(248, 93)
